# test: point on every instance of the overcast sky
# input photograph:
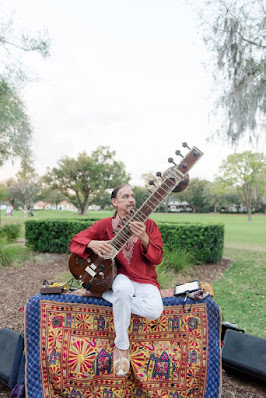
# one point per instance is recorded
(127, 74)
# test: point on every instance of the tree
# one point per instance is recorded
(51, 196)
(196, 194)
(234, 32)
(141, 194)
(23, 192)
(3, 193)
(105, 201)
(27, 170)
(220, 195)
(263, 202)
(15, 127)
(85, 179)
(246, 171)
(25, 189)
(13, 44)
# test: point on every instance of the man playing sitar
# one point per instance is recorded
(135, 289)
(120, 255)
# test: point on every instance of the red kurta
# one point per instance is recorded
(132, 260)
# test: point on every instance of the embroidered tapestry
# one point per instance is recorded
(70, 341)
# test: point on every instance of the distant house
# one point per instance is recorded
(39, 205)
(232, 208)
(63, 205)
(178, 207)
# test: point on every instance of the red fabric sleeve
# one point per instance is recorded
(98, 231)
(155, 249)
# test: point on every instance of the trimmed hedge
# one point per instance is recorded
(204, 241)
(52, 236)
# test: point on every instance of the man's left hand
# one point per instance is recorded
(139, 229)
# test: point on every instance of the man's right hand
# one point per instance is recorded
(100, 247)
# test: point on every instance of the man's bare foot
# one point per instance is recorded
(121, 361)
(86, 293)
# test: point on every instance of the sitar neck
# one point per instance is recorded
(142, 214)
(172, 178)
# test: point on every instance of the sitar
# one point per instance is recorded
(96, 273)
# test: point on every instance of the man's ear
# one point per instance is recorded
(114, 202)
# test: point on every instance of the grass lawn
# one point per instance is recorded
(241, 292)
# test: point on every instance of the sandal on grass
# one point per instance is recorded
(121, 365)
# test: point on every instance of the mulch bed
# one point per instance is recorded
(19, 284)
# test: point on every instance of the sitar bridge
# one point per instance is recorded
(90, 270)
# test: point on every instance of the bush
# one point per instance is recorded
(165, 279)
(53, 236)
(5, 257)
(10, 232)
(177, 260)
(12, 254)
(205, 241)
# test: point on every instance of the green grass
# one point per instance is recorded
(13, 254)
(241, 291)
(177, 260)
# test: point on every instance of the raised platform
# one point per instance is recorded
(70, 339)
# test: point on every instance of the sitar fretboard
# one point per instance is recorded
(173, 177)
(142, 214)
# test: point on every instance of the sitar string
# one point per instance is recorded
(142, 214)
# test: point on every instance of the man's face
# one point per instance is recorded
(124, 201)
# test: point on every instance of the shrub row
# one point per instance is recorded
(10, 232)
(52, 236)
(205, 241)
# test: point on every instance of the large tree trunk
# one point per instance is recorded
(249, 215)
(84, 206)
(248, 197)
(166, 205)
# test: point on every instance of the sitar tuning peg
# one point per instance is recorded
(171, 160)
(151, 182)
(178, 153)
(127, 217)
(185, 145)
(159, 174)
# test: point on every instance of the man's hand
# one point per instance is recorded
(100, 247)
(139, 229)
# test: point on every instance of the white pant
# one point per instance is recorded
(129, 297)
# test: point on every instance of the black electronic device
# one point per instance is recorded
(244, 353)
(11, 352)
(185, 288)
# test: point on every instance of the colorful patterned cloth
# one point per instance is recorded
(70, 341)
